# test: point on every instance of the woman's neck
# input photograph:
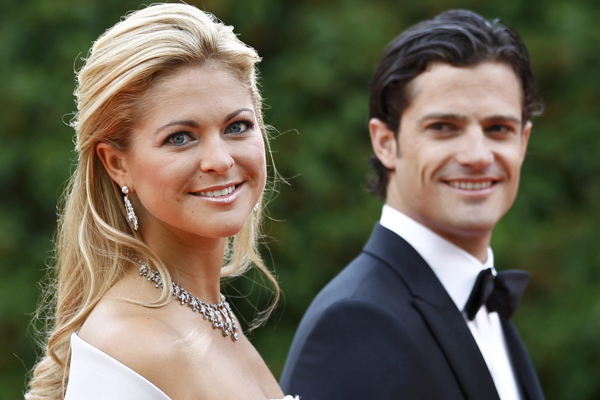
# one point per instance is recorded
(194, 262)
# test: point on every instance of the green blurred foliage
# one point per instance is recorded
(318, 59)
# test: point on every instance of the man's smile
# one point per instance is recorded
(471, 185)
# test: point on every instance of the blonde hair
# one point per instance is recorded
(95, 244)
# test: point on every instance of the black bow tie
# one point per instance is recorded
(501, 293)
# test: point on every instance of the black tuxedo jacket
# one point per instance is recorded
(385, 328)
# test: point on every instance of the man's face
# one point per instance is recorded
(459, 149)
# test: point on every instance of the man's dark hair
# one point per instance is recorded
(457, 37)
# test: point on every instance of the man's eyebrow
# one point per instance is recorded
(502, 118)
(444, 116)
(462, 118)
(187, 122)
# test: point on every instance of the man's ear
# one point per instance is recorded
(384, 143)
(525, 134)
(114, 162)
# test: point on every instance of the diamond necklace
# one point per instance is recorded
(220, 314)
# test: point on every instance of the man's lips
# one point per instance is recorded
(470, 184)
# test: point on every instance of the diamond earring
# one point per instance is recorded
(131, 217)
(256, 206)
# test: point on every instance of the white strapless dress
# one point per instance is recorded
(94, 375)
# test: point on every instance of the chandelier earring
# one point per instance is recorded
(131, 217)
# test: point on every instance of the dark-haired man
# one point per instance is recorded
(421, 313)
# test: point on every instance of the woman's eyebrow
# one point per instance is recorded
(187, 122)
(194, 124)
(233, 114)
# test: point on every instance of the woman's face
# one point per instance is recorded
(197, 162)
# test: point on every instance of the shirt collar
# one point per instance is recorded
(456, 269)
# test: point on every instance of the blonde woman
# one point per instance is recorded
(164, 202)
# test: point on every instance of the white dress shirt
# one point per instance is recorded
(457, 270)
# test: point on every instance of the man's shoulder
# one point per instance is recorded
(366, 306)
(377, 271)
(360, 279)
(366, 282)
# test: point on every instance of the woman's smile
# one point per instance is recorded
(216, 195)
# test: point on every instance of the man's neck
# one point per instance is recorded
(476, 246)
(475, 243)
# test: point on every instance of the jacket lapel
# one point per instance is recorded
(445, 321)
(521, 363)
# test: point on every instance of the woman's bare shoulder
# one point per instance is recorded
(175, 348)
(121, 313)
(142, 338)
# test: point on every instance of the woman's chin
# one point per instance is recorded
(222, 230)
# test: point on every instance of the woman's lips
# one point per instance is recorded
(218, 193)
(224, 195)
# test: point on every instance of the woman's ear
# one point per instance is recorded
(114, 162)
(384, 143)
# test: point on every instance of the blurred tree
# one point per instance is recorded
(318, 61)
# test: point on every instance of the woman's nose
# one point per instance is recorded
(215, 156)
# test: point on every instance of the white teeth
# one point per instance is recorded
(218, 193)
(467, 185)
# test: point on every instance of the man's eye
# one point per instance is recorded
(179, 138)
(499, 129)
(442, 127)
(239, 127)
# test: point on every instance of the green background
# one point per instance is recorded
(318, 60)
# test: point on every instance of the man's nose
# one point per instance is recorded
(215, 155)
(475, 150)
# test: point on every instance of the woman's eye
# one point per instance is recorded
(179, 138)
(239, 127)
